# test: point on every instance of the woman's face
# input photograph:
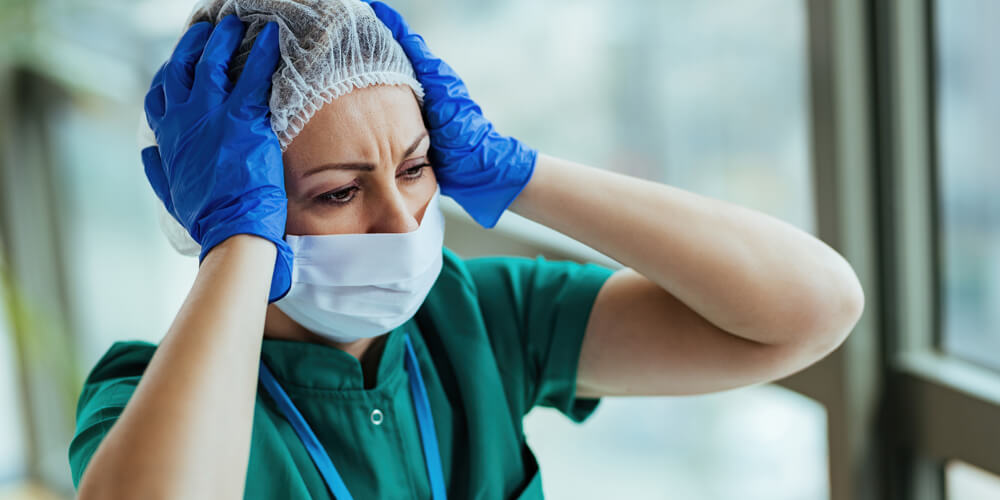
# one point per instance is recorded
(360, 165)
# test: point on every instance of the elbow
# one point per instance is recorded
(88, 490)
(93, 487)
(837, 315)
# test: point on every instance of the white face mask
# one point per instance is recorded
(351, 286)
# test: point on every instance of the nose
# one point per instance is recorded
(393, 215)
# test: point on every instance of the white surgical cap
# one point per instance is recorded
(328, 48)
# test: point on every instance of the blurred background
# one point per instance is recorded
(869, 124)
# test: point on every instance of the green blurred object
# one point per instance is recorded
(40, 344)
(15, 24)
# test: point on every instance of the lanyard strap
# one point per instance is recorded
(319, 457)
(334, 482)
(425, 420)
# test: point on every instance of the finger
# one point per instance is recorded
(254, 85)
(210, 74)
(431, 70)
(155, 104)
(437, 77)
(153, 165)
(179, 73)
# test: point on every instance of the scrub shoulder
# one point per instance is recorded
(105, 393)
(535, 313)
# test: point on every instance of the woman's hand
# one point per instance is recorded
(218, 167)
(481, 169)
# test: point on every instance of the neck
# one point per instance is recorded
(368, 351)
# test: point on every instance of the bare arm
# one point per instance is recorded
(714, 295)
(185, 433)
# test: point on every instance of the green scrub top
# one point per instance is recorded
(495, 337)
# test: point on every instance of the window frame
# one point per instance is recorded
(956, 402)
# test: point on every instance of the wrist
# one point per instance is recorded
(257, 253)
(243, 244)
(486, 197)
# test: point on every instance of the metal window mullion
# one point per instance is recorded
(922, 416)
(952, 409)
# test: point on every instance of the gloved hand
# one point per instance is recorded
(218, 167)
(481, 169)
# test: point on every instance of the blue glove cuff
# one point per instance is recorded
(486, 194)
(281, 280)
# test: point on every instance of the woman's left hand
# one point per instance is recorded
(481, 169)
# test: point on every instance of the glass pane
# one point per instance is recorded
(761, 442)
(965, 482)
(968, 108)
(710, 97)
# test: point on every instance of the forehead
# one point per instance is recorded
(352, 126)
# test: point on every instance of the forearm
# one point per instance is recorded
(748, 273)
(186, 431)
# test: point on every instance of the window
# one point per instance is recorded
(705, 96)
(938, 227)
(966, 482)
(762, 442)
(968, 113)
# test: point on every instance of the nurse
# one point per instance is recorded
(330, 346)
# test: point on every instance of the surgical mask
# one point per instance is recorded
(346, 287)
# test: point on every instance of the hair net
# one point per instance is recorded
(328, 48)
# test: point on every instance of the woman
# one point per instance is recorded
(389, 367)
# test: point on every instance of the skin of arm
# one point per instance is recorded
(713, 295)
(191, 416)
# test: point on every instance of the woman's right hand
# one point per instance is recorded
(481, 169)
(217, 165)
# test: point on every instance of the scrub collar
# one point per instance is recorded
(306, 365)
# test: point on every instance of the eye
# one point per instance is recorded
(415, 172)
(339, 197)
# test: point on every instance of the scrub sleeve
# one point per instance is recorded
(495, 337)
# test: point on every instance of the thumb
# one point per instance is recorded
(392, 19)
(157, 178)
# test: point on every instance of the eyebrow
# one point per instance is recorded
(367, 167)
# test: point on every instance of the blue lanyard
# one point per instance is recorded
(334, 482)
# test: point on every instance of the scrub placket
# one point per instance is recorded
(333, 480)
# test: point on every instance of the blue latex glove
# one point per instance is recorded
(218, 167)
(481, 169)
